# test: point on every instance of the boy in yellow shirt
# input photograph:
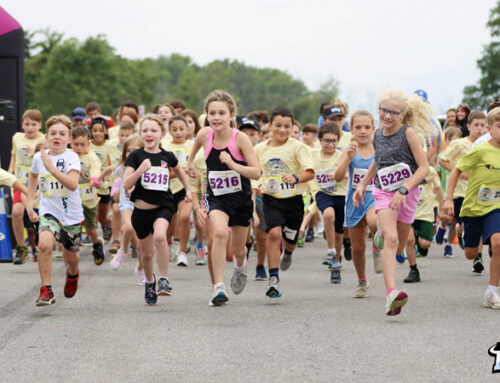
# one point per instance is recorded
(480, 210)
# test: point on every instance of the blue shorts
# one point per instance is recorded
(126, 204)
(457, 204)
(485, 226)
(337, 202)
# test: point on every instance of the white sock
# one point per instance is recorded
(491, 288)
(220, 284)
(334, 251)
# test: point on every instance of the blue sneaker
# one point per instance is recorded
(150, 292)
(440, 235)
(164, 287)
(448, 251)
(260, 273)
(401, 258)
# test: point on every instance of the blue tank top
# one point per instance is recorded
(357, 168)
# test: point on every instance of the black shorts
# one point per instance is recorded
(105, 198)
(144, 219)
(178, 198)
(238, 216)
(287, 213)
(457, 204)
(337, 203)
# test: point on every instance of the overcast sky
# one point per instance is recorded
(366, 45)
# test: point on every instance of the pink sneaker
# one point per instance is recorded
(118, 261)
(141, 277)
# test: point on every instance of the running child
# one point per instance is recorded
(23, 148)
(357, 159)
(148, 173)
(286, 166)
(480, 210)
(400, 165)
(56, 171)
(231, 162)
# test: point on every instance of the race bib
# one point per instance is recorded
(488, 195)
(276, 186)
(22, 173)
(51, 187)
(156, 178)
(393, 177)
(324, 182)
(357, 176)
(224, 182)
(86, 193)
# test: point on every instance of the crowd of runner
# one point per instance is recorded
(160, 183)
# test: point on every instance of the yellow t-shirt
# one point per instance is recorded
(113, 133)
(456, 150)
(345, 140)
(181, 152)
(7, 178)
(24, 149)
(428, 200)
(293, 157)
(102, 152)
(483, 166)
(200, 168)
(323, 167)
(166, 140)
(90, 166)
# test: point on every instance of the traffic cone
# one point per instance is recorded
(5, 247)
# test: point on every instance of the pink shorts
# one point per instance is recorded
(406, 214)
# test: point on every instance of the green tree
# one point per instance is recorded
(479, 95)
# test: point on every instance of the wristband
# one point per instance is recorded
(296, 179)
(96, 182)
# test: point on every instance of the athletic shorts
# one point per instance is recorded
(105, 198)
(27, 223)
(144, 219)
(337, 202)
(457, 205)
(406, 214)
(16, 196)
(178, 198)
(238, 216)
(287, 213)
(68, 236)
(424, 229)
(90, 214)
(483, 226)
(126, 204)
(259, 208)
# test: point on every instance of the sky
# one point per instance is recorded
(365, 45)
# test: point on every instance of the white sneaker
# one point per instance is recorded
(219, 296)
(377, 261)
(491, 300)
(239, 279)
(361, 290)
(141, 277)
(182, 259)
(118, 261)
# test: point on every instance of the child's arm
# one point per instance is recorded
(201, 138)
(445, 165)
(12, 165)
(181, 175)
(420, 159)
(21, 187)
(439, 194)
(132, 175)
(345, 160)
(32, 184)
(360, 191)
(256, 220)
(251, 170)
(450, 189)
(69, 181)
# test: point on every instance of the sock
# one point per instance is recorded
(199, 245)
(161, 276)
(49, 287)
(479, 256)
(413, 267)
(375, 248)
(220, 284)
(363, 279)
(288, 252)
(334, 251)
(390, 291)
(150, 282)
(72, 276)
(274, 271)
(491, 288)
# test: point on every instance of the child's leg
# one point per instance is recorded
(329, 224)
(358, 240)
(45, 245)
(495, 259)
(18, 222)
(389, 226)
(160, 228)
(102, 214)
(183, 220)
(371, 219)
(210, 235)
(305, 222)
(238, 241)
(72, 259)
(147, 251)
(274, 237)
(453, 232)
(411, 254)
(219, 221)
(260, 236)
(92, 233)
(116, 222)
(172, 227)
(127, 229)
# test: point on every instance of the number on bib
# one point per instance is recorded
(51, 187)
(393, 177)
(326, 185)
(224, 182)
(86, 193)
(357, 176)
(276, 186)
(155, 178)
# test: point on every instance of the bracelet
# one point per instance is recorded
(196, 208)
(296, 178)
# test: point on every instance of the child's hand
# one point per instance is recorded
(33, 216)
(256, 220)
(225, 158)
(188, 198)
(190, 170)
(289, 179)
(201, 216)
(47, 162)
(352, 149)
(449, 208)
(464, 176)
(145, 166)
(358, 196)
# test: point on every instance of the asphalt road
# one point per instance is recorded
(316, 332)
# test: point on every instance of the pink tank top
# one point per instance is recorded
(231, 146)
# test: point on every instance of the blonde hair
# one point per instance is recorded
(361, 113)
(133, 139)
(493, 115)
(59, 119)
(225, 97)
(152, 117)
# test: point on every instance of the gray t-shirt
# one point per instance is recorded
(391, 150)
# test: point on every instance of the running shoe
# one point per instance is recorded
(421, 251)
(21, 254)
(114, 248)
(395, 301)
(164, 287)
(401, 258)
(300, 242)
(440, 235)
(330, 258)
(347, 249)
(377, 260)
(335, 277)
(239, 279)
(200, 255)
(448, 251)
(310, 235)
(150, 292)
(219, 296)
(249, 247)
(98, 252)
(141, 277)
(118, 262)
(361, 290)
(491, 300)
(107, 232)
(460, 240)
(260, 273)
(46, 297)
(413, 276)
(71, 284)
(182, 259)
(477, 265)
(286, 261)
(378, 240)
(34, 254)
(273, 291)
